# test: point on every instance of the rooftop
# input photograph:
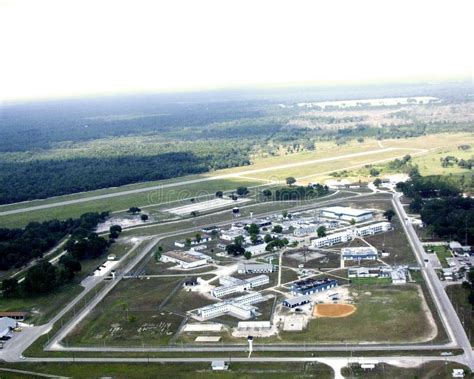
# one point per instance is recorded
(347, 211)
(183, 256)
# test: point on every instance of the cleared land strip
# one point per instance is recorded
(193, 181)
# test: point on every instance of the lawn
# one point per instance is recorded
(124, 201)
(381, 316)
(459, 297)
(173, 370)
(442, 252)
(370, 281)
(134, 313)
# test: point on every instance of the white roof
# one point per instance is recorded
(347, 211)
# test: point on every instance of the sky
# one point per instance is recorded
(62, 48)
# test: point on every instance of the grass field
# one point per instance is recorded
(125, 201)
(173, 370)
(136, 312)
(429, 370)
(312, 172)
(380, 317)
(459, 297)
(442, 252)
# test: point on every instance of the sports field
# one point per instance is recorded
(334, 310)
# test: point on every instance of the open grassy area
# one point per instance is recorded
(42, 308)
(136, 312)
(429, 370)
(370, 281)
(442, 253)
(173, 370)
(459, 297)
(125, 201)
(380, 317)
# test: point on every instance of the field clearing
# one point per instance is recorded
(334, 310)
(126, 201)
(381, 317)
(134, 313)
(310, 172)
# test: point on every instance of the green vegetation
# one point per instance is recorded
(173, 370)
(462, 297)
(381, 316)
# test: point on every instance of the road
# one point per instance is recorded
(193, 181)
(446, 310)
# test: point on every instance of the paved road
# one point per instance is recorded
(446, 310)
(192, 181)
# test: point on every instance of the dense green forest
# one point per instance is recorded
(19, 246)
(445, 212)
(59, 147)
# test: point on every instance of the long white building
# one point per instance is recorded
(347, 214)
(333, 239)
(230, 285)
(240, 307)
(350, 234)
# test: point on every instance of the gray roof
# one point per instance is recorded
(297, 300)
(6, 323)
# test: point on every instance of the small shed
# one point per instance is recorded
(219, 365)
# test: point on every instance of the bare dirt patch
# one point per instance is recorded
(334, 310)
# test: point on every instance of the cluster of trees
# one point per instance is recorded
(469, 284)
(300, 192)
(44, 277)
(274, 243)
(400, 164)
(19, 246)
(442, 209)
(451, 160)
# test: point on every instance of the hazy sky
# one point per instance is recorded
(62, 48)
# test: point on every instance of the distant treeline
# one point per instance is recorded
(56, 148)
(441, 206)
(299, 192)
(46, 178)
(18, 246)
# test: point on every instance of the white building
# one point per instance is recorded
(369, 272)
(6, 326)
(359, 253)
(333, 239)
(230, 234)
(232, 285)
(398, 275)
(254, 268)
(256, 249)
(184, 259)
(305, 229)
(240, 307)
(347, 214)
(379, 227)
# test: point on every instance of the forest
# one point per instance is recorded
(19, 246)
(442, 208)
(52, 148)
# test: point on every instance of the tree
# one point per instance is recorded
(321, 231)
(277, 229)
(197, 237)
(253, 229)
(374, 172)
(115, 228)
(353, 221)
(290, 180)
(254, 238)
(239, 240)
(242, 191)
(144, 217)
(194, 213)
(234, 249)
(187, 241)
(219, 194)
(192, 200)
(268, 238)
(267, 194)
(134, 210)
(388, 214)
(377, 182)
(113, 235)
(284, 214)
(10, 287)
(248, 255)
